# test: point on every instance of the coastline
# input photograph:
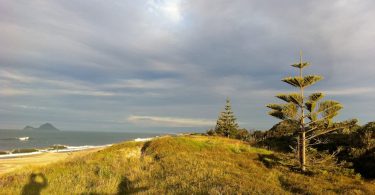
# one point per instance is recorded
(66, 149)
(14, 163)
(11, 162)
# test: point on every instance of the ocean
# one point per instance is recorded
(9, 139)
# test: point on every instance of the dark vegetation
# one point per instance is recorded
(57, 147)
(25, 150)
(353, 148)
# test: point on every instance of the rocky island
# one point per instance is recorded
(44, 127)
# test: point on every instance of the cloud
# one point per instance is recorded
(21, 84)
(15, 77)
(12, 92)
(166, 58)
(170, 121)
(171, 10)
(30, 107)
(144, 84)
(360, 91)
(351, 91)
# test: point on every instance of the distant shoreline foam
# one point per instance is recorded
(144, 139)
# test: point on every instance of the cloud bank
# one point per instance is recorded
(92, 63)
(170, 121)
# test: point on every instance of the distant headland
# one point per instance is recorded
(44, 127)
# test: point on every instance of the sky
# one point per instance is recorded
(168, 66)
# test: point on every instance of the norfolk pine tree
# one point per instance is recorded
(314, 116)
(226, 124)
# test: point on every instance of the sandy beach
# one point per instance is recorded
(11, 164)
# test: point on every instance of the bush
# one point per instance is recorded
(211, 132)
(3, 152)
(279, 144)
(243, 134)
(366, 136)
(57, 147)
(26, 150)
(365, 164)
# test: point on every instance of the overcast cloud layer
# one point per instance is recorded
(158, 65)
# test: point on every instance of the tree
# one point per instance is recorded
(243, 134)
(313, 116)
(367, 136)
(280, 137)
(226, 124)
(211, 132)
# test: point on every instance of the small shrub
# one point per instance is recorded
(57, 147)
(211, 132)
(25, 150)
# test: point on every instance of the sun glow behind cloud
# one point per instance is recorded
(169, 9)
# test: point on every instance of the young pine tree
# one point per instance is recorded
(226, 124)
(313, 116)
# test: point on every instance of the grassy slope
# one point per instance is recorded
(191, 164)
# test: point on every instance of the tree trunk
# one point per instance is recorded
(298, 148)
(302, 151)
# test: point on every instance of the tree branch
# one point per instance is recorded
(318, 141)
(324, 132)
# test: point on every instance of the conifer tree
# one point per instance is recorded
(313, 116)
(226, 124)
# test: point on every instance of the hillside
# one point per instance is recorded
(180, 165)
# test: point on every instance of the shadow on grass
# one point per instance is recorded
(269, 160)
(127, 187)
(34, 187)
(288, 185)
(365, 164)
(144, 147)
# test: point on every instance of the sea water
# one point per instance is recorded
(9, 139)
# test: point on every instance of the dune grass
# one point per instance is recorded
(179, 165)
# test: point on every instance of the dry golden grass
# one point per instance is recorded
(180, 165)
(11, 164)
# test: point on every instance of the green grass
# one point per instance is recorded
(182, 165)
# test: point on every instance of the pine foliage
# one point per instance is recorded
(226, 124)
(313, 116)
